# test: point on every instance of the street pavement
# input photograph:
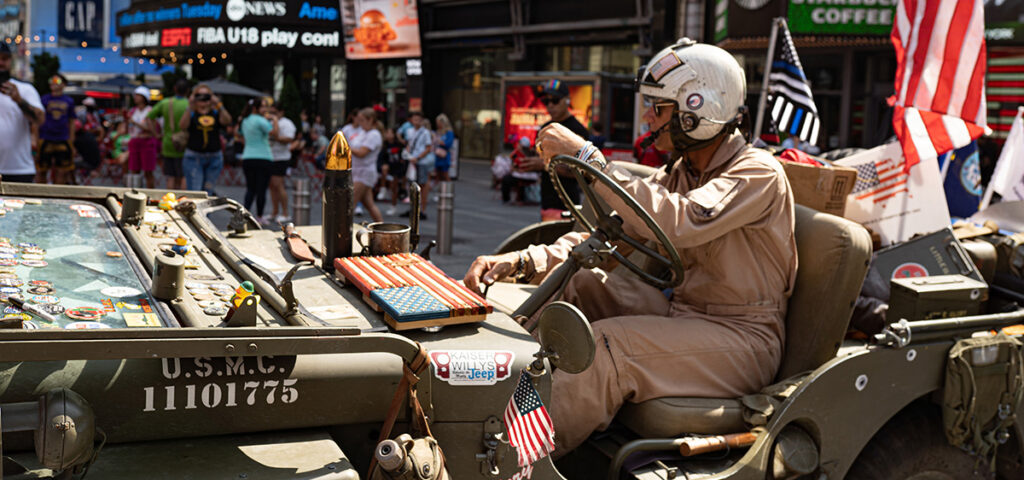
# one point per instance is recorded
(481, 221)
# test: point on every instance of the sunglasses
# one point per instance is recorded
(657, 104)
(203, 97)
(550, 101)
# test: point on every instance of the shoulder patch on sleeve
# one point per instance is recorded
(709, 201)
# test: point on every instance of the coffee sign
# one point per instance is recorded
(839, 17)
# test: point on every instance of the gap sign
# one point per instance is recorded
(80, 21)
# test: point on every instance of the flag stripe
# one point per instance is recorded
(930, 72)
(954, 41)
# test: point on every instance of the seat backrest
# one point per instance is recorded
(833, 255)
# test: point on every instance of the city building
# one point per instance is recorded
(80, 33)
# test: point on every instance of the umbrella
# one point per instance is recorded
(224, 87)
(119, 81)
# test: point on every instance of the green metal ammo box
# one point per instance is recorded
(940, 296)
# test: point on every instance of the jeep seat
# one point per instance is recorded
(833, 255)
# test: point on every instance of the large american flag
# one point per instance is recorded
(528, 424)
(880, 180)
(939, 103)
(789, 93)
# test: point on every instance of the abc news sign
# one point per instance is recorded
(216, 25)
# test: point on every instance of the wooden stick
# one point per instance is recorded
(698, 445)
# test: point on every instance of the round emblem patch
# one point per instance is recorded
(970, 175)
(44, 299)
(910, 270)
(695, 101)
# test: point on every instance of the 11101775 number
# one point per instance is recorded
(214, 395)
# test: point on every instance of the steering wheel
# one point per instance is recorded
(611, 226)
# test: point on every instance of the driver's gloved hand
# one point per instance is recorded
(487, 269)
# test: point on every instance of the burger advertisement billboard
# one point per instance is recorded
(525, 113)
(380, 29)
(306, 26)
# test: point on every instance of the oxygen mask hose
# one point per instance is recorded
(337, 202)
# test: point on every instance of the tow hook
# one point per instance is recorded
(489, 460)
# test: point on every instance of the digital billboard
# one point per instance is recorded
(524, 113)
(380, 29)
(306, 26)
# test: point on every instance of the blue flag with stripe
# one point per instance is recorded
(963, 180)
(790, 102)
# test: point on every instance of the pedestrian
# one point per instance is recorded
(57, 135)
(555, 96)
(392, 170)
(366, 143)
(318, 126)
(417, 154)
(205, 121)
(171, 110)
(516, 178)
(20, 109)
(258, 125)
(281, 149)
(647, 153)
(443, 149)
(119, 143)
(87, 137)
(142, 148)
(350, 126)
(318, 145)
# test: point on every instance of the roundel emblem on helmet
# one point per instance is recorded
(695, 101)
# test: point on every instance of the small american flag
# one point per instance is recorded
(880, 180)
(528, 424)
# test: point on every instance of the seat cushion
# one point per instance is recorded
(669, 416)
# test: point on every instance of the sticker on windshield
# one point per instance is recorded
(121, 292)
(472, 367)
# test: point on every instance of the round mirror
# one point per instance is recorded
(563, 330)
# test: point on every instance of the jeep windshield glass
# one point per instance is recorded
(70, 259)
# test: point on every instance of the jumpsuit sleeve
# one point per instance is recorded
(544, 258)
(740, 196)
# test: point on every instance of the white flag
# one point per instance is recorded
(1008, 177)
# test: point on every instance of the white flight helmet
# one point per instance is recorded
(705, 82)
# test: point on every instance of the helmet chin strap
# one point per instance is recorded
(650, 139)
(682, 142)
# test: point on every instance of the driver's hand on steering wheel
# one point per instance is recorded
(556, 139)
(487, 269)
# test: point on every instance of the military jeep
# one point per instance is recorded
(145, 380)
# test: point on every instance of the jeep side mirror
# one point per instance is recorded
(565, 337)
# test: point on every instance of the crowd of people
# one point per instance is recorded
(191, 137)
(385, 160)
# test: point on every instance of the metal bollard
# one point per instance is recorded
(133, 180)
(445, 217)
(300, 201)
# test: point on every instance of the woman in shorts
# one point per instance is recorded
(365, 141)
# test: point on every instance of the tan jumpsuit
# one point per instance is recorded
(721, 334)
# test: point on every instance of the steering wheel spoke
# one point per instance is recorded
(648, 251)
(615, 231)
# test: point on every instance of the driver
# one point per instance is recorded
(725, 206)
